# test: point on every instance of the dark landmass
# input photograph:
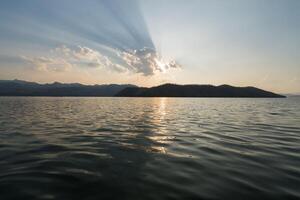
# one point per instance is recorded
(24, 88)
(173, 90)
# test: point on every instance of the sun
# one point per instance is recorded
(161, 65)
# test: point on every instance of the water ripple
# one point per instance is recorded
(156, 148)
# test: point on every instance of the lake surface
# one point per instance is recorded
(149, 148)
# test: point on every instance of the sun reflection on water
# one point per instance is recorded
(160, 137)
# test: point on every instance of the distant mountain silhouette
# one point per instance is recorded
(24, 88)
(173, 90)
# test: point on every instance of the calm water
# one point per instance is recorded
(156, 148)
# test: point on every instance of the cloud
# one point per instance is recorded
(84, 56)
(145, 61)
(48, 64)
(63, 59)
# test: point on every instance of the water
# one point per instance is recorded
(155, 148)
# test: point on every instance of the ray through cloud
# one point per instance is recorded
(123, 45)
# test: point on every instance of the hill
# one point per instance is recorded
(24, 88)
(173, 90)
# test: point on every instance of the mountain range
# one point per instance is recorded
(24, 88)
(173, 90)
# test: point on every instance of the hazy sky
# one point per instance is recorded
(149, 42)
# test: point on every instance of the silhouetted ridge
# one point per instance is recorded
(173, 90)
(24, 88)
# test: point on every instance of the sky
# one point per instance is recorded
(151, 42)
